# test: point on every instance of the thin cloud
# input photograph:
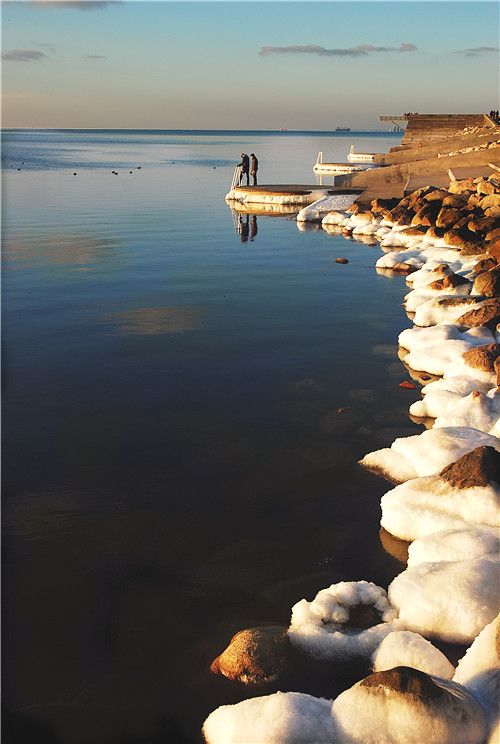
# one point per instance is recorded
(357, 51)
(94, 56)
(477, 51)
(72, 4)
(22, 55)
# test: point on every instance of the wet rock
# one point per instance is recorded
(254, 655)
(404, 268)
(341, 260)
(476, 468)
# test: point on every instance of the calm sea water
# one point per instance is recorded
(183, 412)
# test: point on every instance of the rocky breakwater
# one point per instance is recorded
(444, 502)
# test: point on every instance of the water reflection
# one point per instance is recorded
(246, 227)
(83, 251)
(152, 321)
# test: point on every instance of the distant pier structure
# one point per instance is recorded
(395, 119)
(432, 127)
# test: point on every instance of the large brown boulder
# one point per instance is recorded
(447, 216)
(254, 655)
(485, 186)
(436, 196)
(493, 248)
(400, 215)
(449, 282)
(435, 233)
(383, 206)
(485, 264)
(482, 357)
(455, 200)
(426, 215)
(483, 225)
(488, 315)
(487, 284)
(479, 467)
(460, 236)
(458, 187)
(492, 200)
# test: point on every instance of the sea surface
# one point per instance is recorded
(184, 406)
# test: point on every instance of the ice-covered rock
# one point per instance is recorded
(438, 349)
(407, 706)
(454, 545)
(346, 620)
(479, 671)
(444, 310)
(426, 453)
(281, 718)
(479, 410)
(452, 600)
(422, 506)
(442, 395)
(316, 211)
(404, 648)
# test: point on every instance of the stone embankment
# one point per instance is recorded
(444, 501)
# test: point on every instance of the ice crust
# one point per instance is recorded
(449, 600)
(378, 717)
(404, 648)
(421, 506)
(281, 718)
(454, 545)
(319, 627)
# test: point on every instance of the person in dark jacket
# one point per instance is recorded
(255, 167)
(245, 167)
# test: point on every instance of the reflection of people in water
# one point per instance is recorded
(244, 228)
(253, 226)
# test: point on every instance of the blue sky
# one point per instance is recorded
(245, 64)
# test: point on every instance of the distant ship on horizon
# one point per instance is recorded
(343, 129)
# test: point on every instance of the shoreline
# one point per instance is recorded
(444, 500)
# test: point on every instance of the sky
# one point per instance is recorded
(245, 64)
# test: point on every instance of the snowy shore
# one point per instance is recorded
(444, 499)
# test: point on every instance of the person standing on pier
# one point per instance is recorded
(255, 167)
(245, 167)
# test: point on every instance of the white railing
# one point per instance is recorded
(236, 177)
